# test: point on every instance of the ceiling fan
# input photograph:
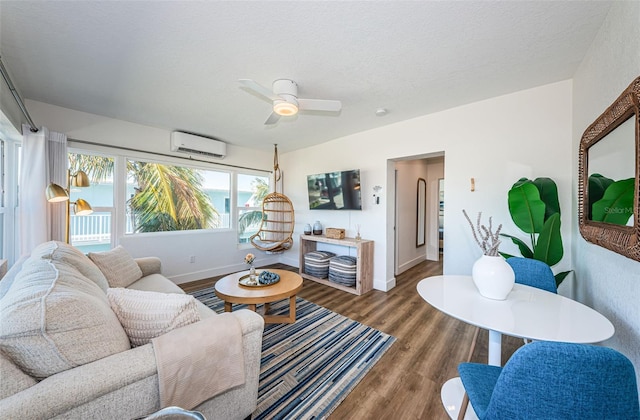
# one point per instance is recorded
(284, 96)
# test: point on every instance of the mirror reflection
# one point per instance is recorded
(421, 214)
(612, 176)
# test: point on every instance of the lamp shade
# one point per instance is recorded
(56, 193)
(80, 179)
(82, 208)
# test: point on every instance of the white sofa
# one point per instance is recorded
(80, 365)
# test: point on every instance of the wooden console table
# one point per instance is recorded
(364, 264)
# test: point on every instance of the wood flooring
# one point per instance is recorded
(406, 381)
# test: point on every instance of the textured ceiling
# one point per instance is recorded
(175, 65)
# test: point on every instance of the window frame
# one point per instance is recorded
(238, 208)
(121, 155)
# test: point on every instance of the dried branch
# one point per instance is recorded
(489, 241)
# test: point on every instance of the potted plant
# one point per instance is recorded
(535, 209)
(491, 274)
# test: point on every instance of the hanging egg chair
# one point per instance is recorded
(276, 228)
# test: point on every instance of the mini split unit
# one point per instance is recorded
(197, 145)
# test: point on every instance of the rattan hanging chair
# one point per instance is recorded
(276, 228)
(278, 219)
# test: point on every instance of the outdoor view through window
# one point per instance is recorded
(160, 198)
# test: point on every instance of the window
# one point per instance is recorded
(9, 167)
(2, 197)
(251, 190)
(93, 232)
(164, 198)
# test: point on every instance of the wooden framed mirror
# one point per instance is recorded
(421, 213)
(609, 176)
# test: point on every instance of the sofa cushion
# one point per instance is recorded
(146, 315)
(117, 265)
(67, 254)
(7, 280)
(54, 318)
(13, 379)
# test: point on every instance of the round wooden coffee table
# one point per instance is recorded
(229, 290)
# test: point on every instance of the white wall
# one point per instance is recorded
(608, 282)
(215, 252)
(496, 141)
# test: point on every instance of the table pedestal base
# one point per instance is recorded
(495, 348)
(289, 318)
(452, 394)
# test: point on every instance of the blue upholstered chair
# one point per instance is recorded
(550, 380)
(533, 273)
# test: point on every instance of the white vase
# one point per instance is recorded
(493, 277)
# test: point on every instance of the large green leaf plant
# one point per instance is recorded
(610, 201)
(535, 209)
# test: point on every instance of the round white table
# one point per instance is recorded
(527, 312)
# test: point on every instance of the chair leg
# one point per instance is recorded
(474, 340)
(463, 407)
(465, 398)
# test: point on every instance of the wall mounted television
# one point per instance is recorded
(335, 190)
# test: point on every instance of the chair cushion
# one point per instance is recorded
(55, 318)
(117, 265)
(268, 245)
(146, 315)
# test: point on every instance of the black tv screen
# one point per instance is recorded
(335, 191)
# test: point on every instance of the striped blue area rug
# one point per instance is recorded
(309, 367)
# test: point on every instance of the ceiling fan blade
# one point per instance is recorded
(319, 105)
(273, 118)
(259, 89)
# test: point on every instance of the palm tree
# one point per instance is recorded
(167, 197)
(260, 190)
(170, 198)
(99, 168)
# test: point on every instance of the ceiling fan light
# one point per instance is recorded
(285, 109)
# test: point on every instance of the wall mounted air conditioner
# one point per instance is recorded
(197, 145)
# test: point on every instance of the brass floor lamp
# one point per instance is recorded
(55, 193)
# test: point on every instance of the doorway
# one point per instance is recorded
(419, 210)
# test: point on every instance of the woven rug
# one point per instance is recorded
(309, 367)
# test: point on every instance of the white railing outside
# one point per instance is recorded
(96, 228)
(91, 228)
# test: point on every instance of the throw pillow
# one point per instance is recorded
(117, 266)
(146, 315)
(53, 318)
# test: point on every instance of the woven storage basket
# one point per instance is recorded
(316, 263)
(334, 233)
